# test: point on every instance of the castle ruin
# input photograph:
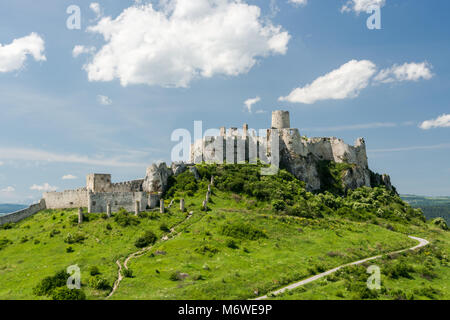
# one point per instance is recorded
(280, 144)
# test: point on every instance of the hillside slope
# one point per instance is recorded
(259, 234)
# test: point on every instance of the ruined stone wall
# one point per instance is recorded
(126, 200)
(66, 199)
(23, 214)
(128, 186)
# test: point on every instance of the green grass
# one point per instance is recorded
(24, 264)
(259, 234)
(428, 276)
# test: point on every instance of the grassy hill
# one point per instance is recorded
(432, 207)
(258, 234)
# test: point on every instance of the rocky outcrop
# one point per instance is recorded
(381, 180)
(178, 168)
(156, 178)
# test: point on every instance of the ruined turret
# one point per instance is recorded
(280, 119)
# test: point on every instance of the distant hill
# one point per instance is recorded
(8, 208)
(432, 207)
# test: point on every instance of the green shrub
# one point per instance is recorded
(206, 250)
(174, 276)
(64, 293)
(125, 219)
(54, 232)
(242, 231)
(108, 227)
(127, 273)
(93, 271)
(70, 250)
(48, 284)
(278, 205)
(99, 283)
(4, 242)
(146, 240)
(163, 227)
(77, 238)
(230, 243)
(7, 226)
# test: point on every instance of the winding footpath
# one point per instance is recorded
(141, 252)
(422, 243)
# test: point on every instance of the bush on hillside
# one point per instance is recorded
(242, 231)
(146, 240)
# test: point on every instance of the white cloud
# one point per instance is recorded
(95, 7)
(298, 2)
(45, 187)
(1, 163)
(8, 189)
(405, 72)
(345, 82)
(250, 102)
(359, 6)
(78, 49)
(69, 177)
(184, 40)
(412, 148)
(104, 100)
(260, 111)
(440, 122)
(45, 156)
(14, 55)
(349, 79)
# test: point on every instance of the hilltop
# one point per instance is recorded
(258, 234)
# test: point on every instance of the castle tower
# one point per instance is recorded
(280, 119)
(96, 182)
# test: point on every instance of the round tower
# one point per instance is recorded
(280, 119)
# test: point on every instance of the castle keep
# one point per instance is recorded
(299, 155)
(279, 145)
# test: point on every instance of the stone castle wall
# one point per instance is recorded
(23, 214)
(126, 200)
(66, 199)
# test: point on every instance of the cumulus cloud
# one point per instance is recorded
(69, 177)
(345, 82)
(405, 72)
(299, 2)
(250, 102)
(349, 79)
(182, 41)
(359, 6)
(104, 100)
(78, 50)
(440, 122)
(14, 55)
(45, 187)
(8, 189)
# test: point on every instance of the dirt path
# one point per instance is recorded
(141, 252)
(422, 243)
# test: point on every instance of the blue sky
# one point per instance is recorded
(54, 121)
